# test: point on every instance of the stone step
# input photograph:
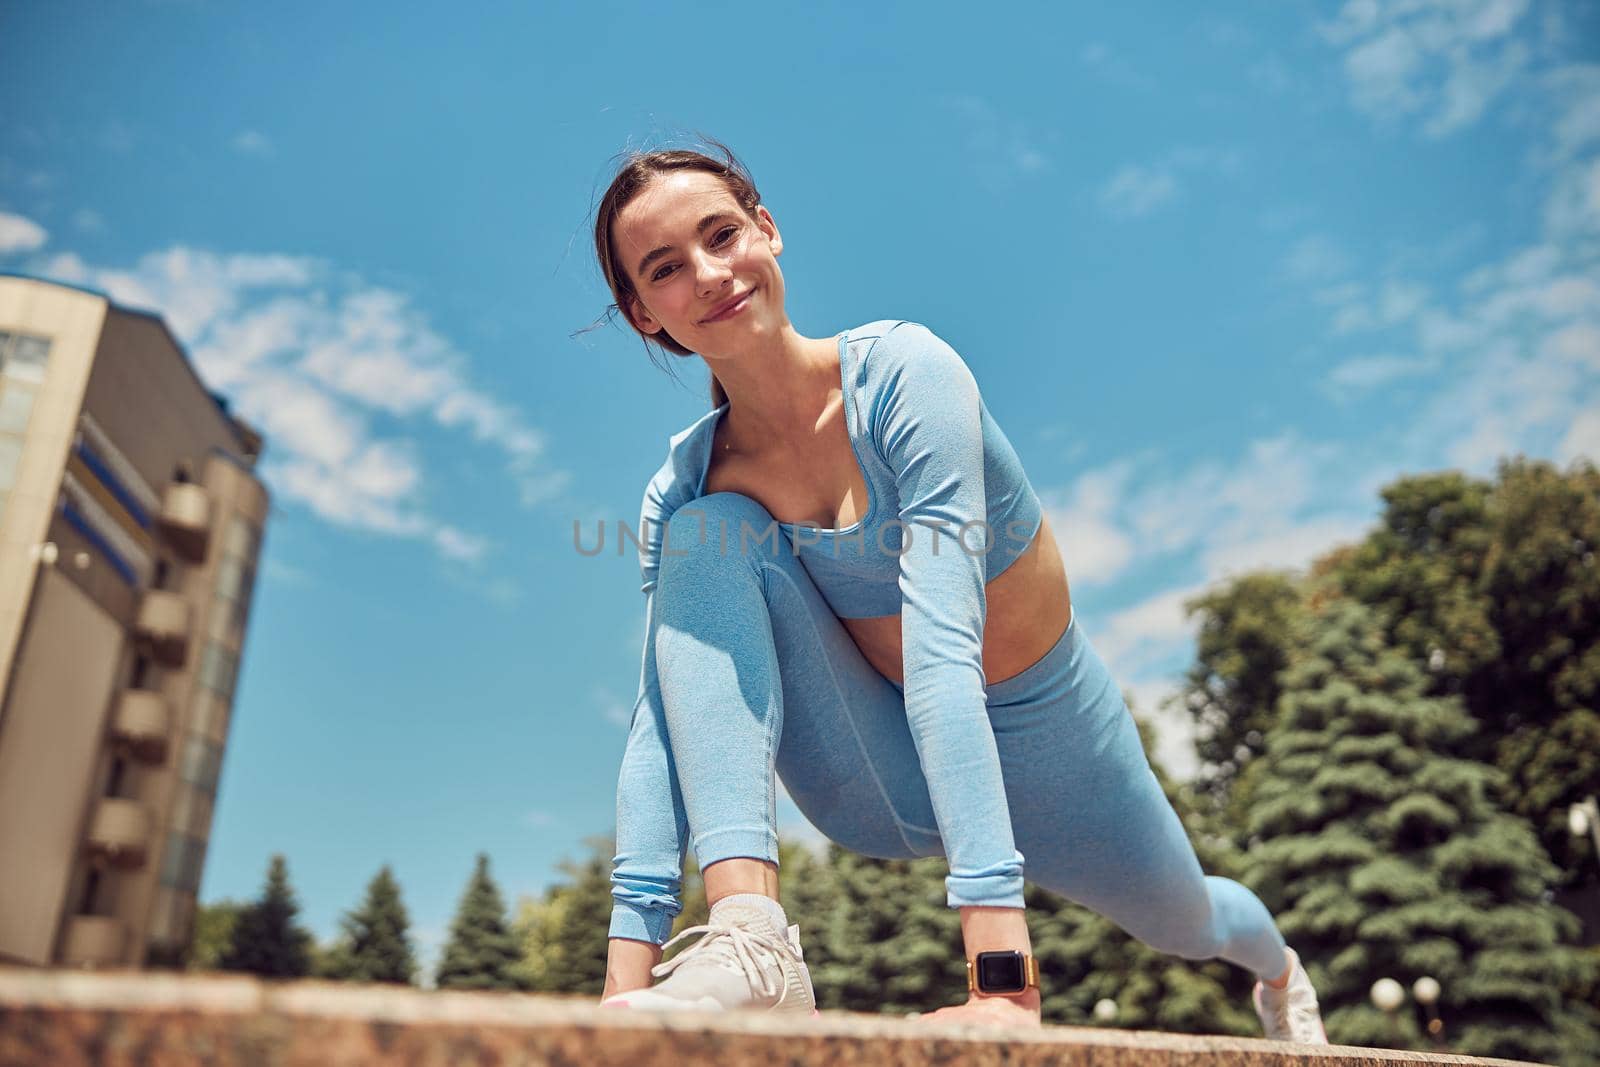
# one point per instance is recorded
(133, 1019)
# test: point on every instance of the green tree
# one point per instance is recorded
(563, 934)
(481, 952)
(1492, 589)
(1421, 568)
(1240, 649)
(266, 940)
(213, 933)
(374, 945)
(1540, 699)
(1384, 856)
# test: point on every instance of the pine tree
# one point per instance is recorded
(1231, 690)
(374, 946)
(1383, 856)
(266, 940)
(481, 952)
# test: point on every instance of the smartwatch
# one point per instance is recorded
(999, 973)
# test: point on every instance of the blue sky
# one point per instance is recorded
(1220, 274)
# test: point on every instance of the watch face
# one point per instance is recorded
(1001, 972)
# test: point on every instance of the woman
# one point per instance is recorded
(849, 582)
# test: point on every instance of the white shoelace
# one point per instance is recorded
(729, 947)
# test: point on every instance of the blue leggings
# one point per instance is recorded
(748, 672)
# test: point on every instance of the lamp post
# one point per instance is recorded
(1387, 996)
(1584, 817)
(1105, 1010)
(1426, 990)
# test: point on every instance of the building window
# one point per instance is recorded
(16, 405)
(218, 669)
(202, 764)
(23, 356)
(180, 868)
(10, 456)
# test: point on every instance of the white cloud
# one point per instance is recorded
(613, 708)
(458, 545)
(1369, 372)
(1445, 61)
(18, 234)
(319, 362)
(1582, 439)
(1003, 148)
(1093, 547)
(1316, 258)
(252, 143)
(1135, 191)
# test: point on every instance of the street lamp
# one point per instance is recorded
(1387, 996)
(1105, 1010)
(1426, 990)
(1584, 817)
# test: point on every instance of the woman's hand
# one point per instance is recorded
(1014, 1012)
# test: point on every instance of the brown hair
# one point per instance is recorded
(637, 171)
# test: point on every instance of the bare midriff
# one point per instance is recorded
(818, 480)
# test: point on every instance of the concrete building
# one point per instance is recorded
(130, 525)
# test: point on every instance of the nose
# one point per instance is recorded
(711, 272)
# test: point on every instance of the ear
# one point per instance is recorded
(769, 226)
(643, 321)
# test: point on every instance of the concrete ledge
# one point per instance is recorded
(134, 1019)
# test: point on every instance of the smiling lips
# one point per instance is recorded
(731, 307)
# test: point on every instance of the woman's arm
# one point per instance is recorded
(926, 421)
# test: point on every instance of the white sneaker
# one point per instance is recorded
(742, 961)
(1291, 1013)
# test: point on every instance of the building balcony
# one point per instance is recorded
(162, 627)
(185, 519)
(94, 941)
(142, 723)
(119, 832)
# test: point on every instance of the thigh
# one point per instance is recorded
(845, 754)
(1087, 811)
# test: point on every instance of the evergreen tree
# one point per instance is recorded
(1542, 693)
(1241, 648)
(374, 946)
(888, 943)
(1384, 856)
(481, 952)
(1492, 588)
(265, 939)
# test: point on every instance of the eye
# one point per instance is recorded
(717, 241)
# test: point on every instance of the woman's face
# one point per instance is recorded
(689, 249)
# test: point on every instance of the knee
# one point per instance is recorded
(1189, 929)
(722, 528)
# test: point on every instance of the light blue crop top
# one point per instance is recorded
(891, 373)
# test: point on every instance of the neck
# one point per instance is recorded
(777, 385)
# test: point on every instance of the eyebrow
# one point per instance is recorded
(656, 253)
